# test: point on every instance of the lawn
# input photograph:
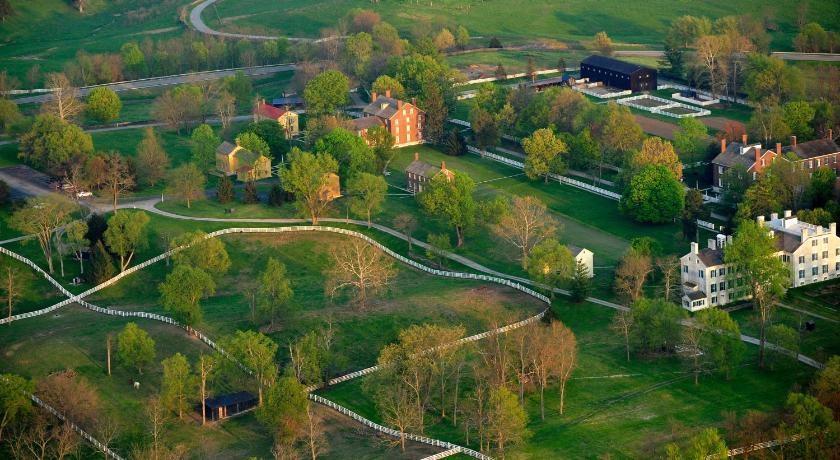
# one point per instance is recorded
(633, 416)
(576, 20)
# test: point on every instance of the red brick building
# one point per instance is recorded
(402, 119)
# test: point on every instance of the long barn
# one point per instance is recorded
(618, 74)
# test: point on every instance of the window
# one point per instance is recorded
(837, 252)
(714, 300)
(801, 259)
(720, 169)
(837, 266)
(713, 273)
(814, 256)
(801, 274)
(702, 274)
(818, 163)
(825, 255)
(815, 271)
(825, 240)
(813, 242)
(714, 287)
(722, 286)
(685, 268)
(825, 269)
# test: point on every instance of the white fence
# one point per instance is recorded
(696, 101)
(666, 104)
(508, 77)
(556, 177)
(585, 89)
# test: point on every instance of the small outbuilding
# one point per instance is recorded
(224, 406)
(233, 159)
(618, 74)
(287, 119)
(585, 257)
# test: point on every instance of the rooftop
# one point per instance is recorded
(269, 111)
(230, 399)
(365, 123)
(735, 153)
(813, 149)
(226, 148)
(790, 225)
(612, 64)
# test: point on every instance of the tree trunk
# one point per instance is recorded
(115, 202)
(761, 342)
(459, 232)
(81, 263)
(203, 396)
(627, 345)
(542, 401)
(368, 215)
(402, 440)
(61, 263)
(562, 395)
(259, 392)
(109, 354)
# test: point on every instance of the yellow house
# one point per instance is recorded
(246, 165)
(287, 119)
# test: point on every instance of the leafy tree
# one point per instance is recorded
(117, 176)
(178, 384)
(326, 93)
(507, 419)
(584, 153)
(186, 182)
(721, 340)
(444, 40)
(524, 223)
(101, 264)
(367, 193)
(826, 386)
(822, 185)
(500, 73)
(735, 181)
(274, 290)
(358, 50)
(201, 251)
(406, 223)
(10, 115)
(494, 43)
(203, 144)
(182, 290)
(382, 142)
(6, 10)
(249, 195)
(462, 37)
(485, 128)
(763, 197)
(550, 263)
(798, 116)
(224, 190)
(273, 134)
(769, 125)
(135, 348)
(439, 246)
(385, 83)
(14, 399)
(239, 86)
(277, 196)
(434, 105)
(817, 216)
(133, 58)
(581, 284)
(285, 408)
(656, 151)
(752, 255)
(354, 156)
(456, 145)
(103, 105)
(257, 352)
(40, 216)
(254, 143)
(805, 416)
(126, 234)
(603, 43)
(452, 200)
(305, 177)
(707, 444)
(620, 133)
(544, 154)
(656, 325)
(653, 195)
(50, 142)
(787, 339)
(691, 140)
(694, 209)
(152, 160)
(769, 80)
(812, 38)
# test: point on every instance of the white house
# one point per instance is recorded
(811, 252)
(583, 256)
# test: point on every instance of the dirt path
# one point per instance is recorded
(656, 127)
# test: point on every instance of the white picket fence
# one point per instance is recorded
(661, 109)
(555, 177)
(102, 447)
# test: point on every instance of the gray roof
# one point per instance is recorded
(732, 156)
(711, 257)
(365, 123)
(575, 250)
(813, 149)
(613, 64)
(695, 295)
(225, 148)
(423, 169)
(786, 242)
(549, 81)
(383, 107)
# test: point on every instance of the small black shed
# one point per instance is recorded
(228, 405)
(618, 74)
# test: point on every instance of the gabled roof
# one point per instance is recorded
(363, 123)
(230, 399)
(269, 111)
(695, 295)
(384, 107)
(287, 100)
(575, 250)
(421, 168)
(247, 157)
(711, 257)
(613, 64)
(226, 148)
(813, 149)
(732, 156)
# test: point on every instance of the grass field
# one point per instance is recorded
(626, 417)
(576, 20)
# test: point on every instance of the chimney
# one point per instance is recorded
(373, 96)
(388, 92)
(830, 134)
(723, 145)
(414, 101)
(757, 158)
(694, 248)
(416, 156)
(774, 216)
(793, 141)
(399, 103)
(760, 220)
(442, 165)
(788, 213)
(712, 244)
(804, 235)
(832, 228)
(744, 139)
(778, 148)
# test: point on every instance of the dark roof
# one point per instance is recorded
(732, 155)
(384, 107)
(287, 100)
(365, 123)
(613, 64)
(786, 242)
(225, 148)
(421, 168)
(548, 81)
(230, 399)
(695, 295)
(575, 250)
(813, 149)
(711, 257)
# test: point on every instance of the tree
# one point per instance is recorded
(12, 283)
(152, 160)
(103, 105)
(753, 263)
(485, 128)
(710, 50)
(707, 444)
(735, 181)
(632, 273)
(257, 352)
(462, 37)
(786, 341)
(201, 251)
(353, 154)
(565, 342)
(284, 410)
(360, 267)
(812, 38)
(822, 185)
(14, 399)
(525, 224)
(805, 416)
(133, 58)
(101, 263)
(40, 216)
(385, 83)
(254, 143)
(826, 386)
(444, 40)
(249, 193)
(326, 93)
(239, 86)
(203, 144)
(224, 190)
(656, 151)
(367, 193)
(798, 116)
(669, 270)
(6, 10)
(182, 290)
(186, 182)
(274, 290)
(117, 177)
(178, 384)
(205, 368)
(451, 198)
(550, 263)
(434, 104)
(581, 283)
(273, 134)
(51, 142)
(507, 420)
(180, 105)
(397, 408)
(456, 145)
(126, 234)
(769, 80)
(10, 116)
(721, 340)
(655, 325)
(622, 323)
(64, 103)
(620, 133)
(693, 210)
(407, 224)
(603, 43)
(544, 154)
(653, 195)
(305, 178)
(381, 141)
(135, 348)
(226, 108)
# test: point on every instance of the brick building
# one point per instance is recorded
(402, 119)
(418, 172)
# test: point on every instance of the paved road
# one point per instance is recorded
(169, 80)
(198, 23)
(788, 56)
